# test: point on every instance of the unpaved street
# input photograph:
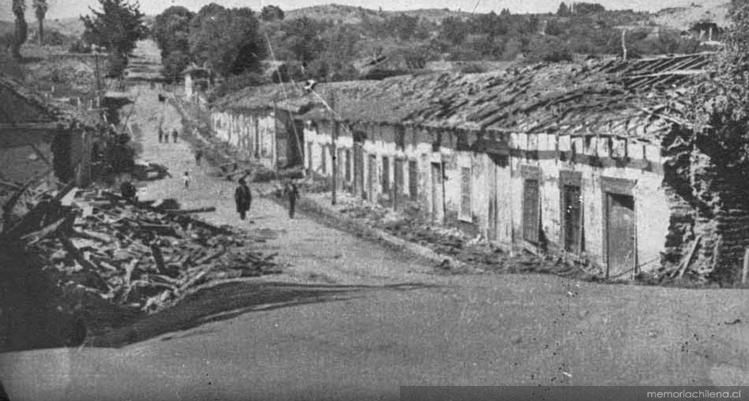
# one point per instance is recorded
(350, 319)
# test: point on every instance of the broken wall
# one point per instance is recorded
(251, 132)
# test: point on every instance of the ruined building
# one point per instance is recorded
(580, 161)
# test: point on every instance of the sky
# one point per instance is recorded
(74, 8)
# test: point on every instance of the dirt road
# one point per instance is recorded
(353, 320)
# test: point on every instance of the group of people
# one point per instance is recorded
(164, 136)
(243, 197)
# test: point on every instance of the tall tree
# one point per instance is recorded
(227, 38)
(303, 38)
(117, 27)
(563, 10)
(271, 13)
(171, 31)
(40, 11)
(21, 29)
(454, 30)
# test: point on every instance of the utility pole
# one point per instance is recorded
(334, 150)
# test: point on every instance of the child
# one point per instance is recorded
(186, 179)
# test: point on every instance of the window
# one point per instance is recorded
(465, 194)
(531, 216)
(400, 138)
(347, 161)
(385, 175)
(323, 159)
(413, 179)
(398, 177)
(309, 156)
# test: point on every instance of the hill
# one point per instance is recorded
(354, 15)
(682, 18)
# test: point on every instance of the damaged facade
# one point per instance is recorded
(37, 138)
(261, 124)
(569, 160)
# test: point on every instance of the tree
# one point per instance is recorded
(271, 13)
(174, 63)
(453, 30)
(303, 38)
(117, 27)
(21, 28)
(563, 10)
(587, 8)
(40, 11)
(228, 39)
(171, 30)
(402, 26)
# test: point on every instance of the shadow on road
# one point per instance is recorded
(232, 299)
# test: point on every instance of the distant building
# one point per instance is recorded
(197, 79)
(571, 160)
(37, 138)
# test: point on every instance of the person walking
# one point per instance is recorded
(291, 193)
(186, 179)
(174, 135)
(161, 134)
(243, 198)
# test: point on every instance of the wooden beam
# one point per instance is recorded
(40, 154)
(19, 136)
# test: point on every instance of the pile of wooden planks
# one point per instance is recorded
(131, 255)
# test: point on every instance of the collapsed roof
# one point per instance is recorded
(638, 98)
(26, 118)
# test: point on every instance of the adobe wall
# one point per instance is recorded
(251, 132)
(595, 158)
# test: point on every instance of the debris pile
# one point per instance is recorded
(109, 255)
(453, 242)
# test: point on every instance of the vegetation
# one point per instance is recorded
(21, 28)
(353, 41)
(227, 39)
(116, 28)
(721, 105)
(171, 30)
(40, 11)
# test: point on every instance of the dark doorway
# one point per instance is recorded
(438, 204)
(573, 226)
(620, 235)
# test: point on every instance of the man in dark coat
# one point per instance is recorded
(174, 136)
(243, 198)
(128, 191)
(291, 193)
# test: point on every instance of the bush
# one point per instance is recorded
(79, 46)
(116, 64)
(174, 64)
(547, 49)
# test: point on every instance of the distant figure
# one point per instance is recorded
(243, 198)
(161, 134)
(128, 191)
(174, 136)
(186, 179)
(198, 156)
(291, 193)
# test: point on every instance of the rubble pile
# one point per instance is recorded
(453, 242)
(111, 255)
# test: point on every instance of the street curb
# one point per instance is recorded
(363, 230)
